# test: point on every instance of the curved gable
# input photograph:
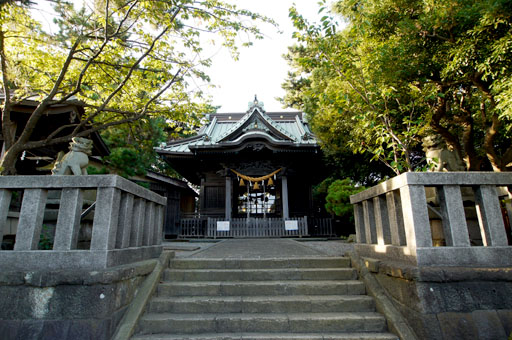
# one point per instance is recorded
(256, 120)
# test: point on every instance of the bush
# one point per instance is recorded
(338, 199)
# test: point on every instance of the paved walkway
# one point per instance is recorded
(259, 248)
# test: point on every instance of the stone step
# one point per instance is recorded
(258, 263)
(264, 304)
(261, 323)
(260, 274)
(270, 336)
(255, 288)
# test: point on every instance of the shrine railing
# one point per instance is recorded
(397, 219)
(193, 227)
(320, 226)
(126, 227)
(258, 227)
(251, 227)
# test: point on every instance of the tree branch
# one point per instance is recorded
(7, 124)
(492, 130)
(43, 105)
(130, 72)
(439, 110)
(40, 143)
(468, 136)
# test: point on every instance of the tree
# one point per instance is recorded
(401, 70)
(125, 61)
(132, 147)
(353, 110)
(338, 199)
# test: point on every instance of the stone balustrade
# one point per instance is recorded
(392, 219)
(127, 224)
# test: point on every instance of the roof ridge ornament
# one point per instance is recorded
(256, 104)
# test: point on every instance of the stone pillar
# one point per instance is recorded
(228, 198)
(416, 222)
(284, 196)
(489, 216)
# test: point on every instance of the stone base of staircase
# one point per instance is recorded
(296, 298)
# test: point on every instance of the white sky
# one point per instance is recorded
(261, 68)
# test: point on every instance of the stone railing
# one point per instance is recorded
(127, 223)
(392, 219)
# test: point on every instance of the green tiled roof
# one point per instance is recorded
(284, 129)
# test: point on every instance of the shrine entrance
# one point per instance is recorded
(257, 197)
(262, 202)
(255, 172)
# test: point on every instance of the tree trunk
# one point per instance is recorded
(8, 161)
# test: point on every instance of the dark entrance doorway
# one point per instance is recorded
(264, 201)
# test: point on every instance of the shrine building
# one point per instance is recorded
(255, 171)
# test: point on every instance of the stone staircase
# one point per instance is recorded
(289, 298)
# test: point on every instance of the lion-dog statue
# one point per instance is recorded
(76, 160)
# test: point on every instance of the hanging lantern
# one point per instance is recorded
(242, 183)
(256, 186)
(270, 182)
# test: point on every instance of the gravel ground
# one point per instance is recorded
(331, 247)
(327, 248)
(186, 249)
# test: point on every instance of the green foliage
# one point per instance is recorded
(127, 161)
(338, 198)
(126, 62)
(143, 184)
(399, 71)
(46, 239)
(132, 145)
(91, 170)
(321, 189)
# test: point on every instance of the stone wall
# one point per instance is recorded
(449, 302)
(68, 304)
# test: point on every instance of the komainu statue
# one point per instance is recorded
(76, 160)
(439, 157)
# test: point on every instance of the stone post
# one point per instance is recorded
(454, 219)
(359, 221)
(31, 219)
(489, 215)
(369, 222)
(381, 220)
(5, 201)
(416, 222)
(68, 221)
(396, 219)
(105, 221)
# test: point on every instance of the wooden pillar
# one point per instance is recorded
(228, 198)
(284, 195)
(201, 197)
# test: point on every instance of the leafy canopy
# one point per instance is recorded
(338, 198)
(402, 70)
(124, 61)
